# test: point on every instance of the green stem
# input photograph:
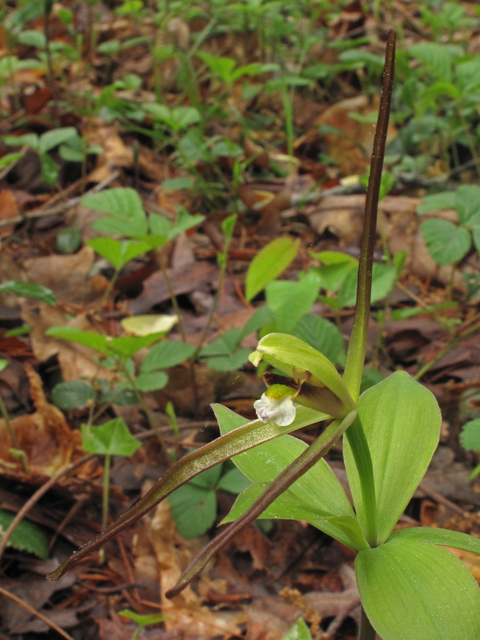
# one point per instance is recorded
(358, 341)
(109, 289)
(212, 311)
(173, 297)
(16, 447)
(367, 632)
(363, 461)
(146, 410)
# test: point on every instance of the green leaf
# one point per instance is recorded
(152, 381)
(110, 439)
(141, 620)
(442, 537)
(299, 631)
(476, 236)
(323, 335)
(53, 138)
(10, 158)
(437, 202)
(72, 395)
(176, 184)
(225, 345)
(49, 169)
(194, 510)
(370, 377)
(184, 222)
(68, 240)
(268, 264)
(166, 354)
(229, 363)
(383, 277)
(220, 66)
(265, 462)
(127, 346)
(401, 420)
(468, 204)
(446, 243)
(32, 38)
(3, 364)
(416, 591)
(233, 481)
(118, 252)
(289, 301)
(27, 140)
(125, 207)
(145, 325)
(29, 290)
(26, 536)
(183, 117)
(87, 338)
(259, 319)
(435, 56)
(470, 435)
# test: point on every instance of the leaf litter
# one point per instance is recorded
(111, 85)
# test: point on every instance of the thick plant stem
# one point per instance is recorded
(367, 632)
(358, 341)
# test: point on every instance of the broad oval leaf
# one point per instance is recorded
(317, 491)
(72, 395)
(269, 263)
(401, 420)
(416, 591)
(446, 243)
(166, 354)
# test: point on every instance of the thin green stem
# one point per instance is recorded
(146, 410)
(358, 341)
(16, 447)
(212, 311)
(367, 632)
(173, 297)
(108, 290)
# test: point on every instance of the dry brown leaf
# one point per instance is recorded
(67, 276)
(115, 153)
(44, 436)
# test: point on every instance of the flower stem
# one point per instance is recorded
(358, 341)
(367, 632)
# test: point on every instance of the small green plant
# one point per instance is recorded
(141, 621)
(42, 145)
(299, 631)
(25, 537)
(470, 440)
(194, 506)
(410, 587)
(448, 243)
(110, 439)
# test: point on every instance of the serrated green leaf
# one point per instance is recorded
(446, 243)
(269, 263)
(323, 335)
(26, 536)
(125, 207)
(416, 591)
(470, 435)
(394, 413)
(112, 438)
(468, 204)
(229, 363)
(72, 395)
(153, 381)
(166, 354)
(194, 510)
(118, 252)
(29, 290)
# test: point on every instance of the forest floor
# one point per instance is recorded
(261, 110)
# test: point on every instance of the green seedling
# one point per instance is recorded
(470, 440)
(141, 621)
(42, 145)
(299, 631)
(194, 506)
(410, 587)
(25, 537)
(110, 439)
(448, 243)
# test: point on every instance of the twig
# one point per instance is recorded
(36, 497)
(40, 213)
(32, 611)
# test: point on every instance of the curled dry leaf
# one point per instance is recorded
(44, 436)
